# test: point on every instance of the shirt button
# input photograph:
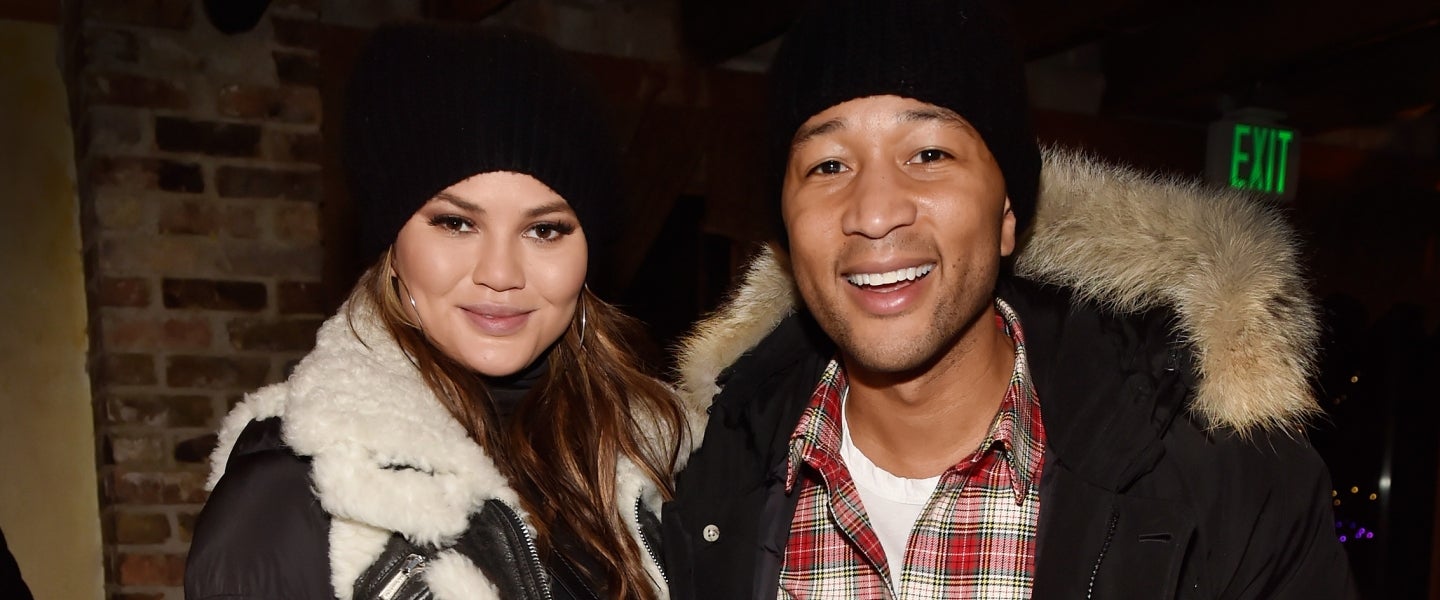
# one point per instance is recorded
(711, 533)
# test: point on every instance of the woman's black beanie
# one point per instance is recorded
(431, 105)
(957, 54)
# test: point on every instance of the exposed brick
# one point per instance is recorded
(296, 33)
(169, 14)
(127, 369)
(287, 104)
(273, 336)
(298, 223)
(141, 528)
(191, 411)
(284, 146)
(195, 450)
(150, 569)
(249, 182)
(189, 218)
(302, 298)
(186, 522)
(138, 91)
(179, 410)
(213, 295)
(123, 292)
(297, 68)
(241, 222)
(157, 487)
(132, 449)
(119, 211)
(201, 257)
(112, 130)
(148, 173)
(104, 46)
(216, 372)
(160, 255)
(252, 259)
(178, 54)
(148, 332)
(174, 134)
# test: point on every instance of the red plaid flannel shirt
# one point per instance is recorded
(974, 539)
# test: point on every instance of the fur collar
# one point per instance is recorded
(359, 408)
(1227, 266)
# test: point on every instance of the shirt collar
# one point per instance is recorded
(1017, 431)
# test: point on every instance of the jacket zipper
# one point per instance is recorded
(646, 543)
(1104, 548)
(413, 565)
(537, 566)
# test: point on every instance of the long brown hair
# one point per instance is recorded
(561, 447)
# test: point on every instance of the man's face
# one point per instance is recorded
(898, 218)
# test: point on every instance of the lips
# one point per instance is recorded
(885, 290)
(496, 319)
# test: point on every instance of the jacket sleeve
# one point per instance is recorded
(262, 533)
(1294, 551)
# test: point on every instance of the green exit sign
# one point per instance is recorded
(1261, 158)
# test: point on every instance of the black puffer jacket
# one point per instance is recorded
(1170, 354)
(315, 476)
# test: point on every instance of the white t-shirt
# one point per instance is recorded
(893, 503)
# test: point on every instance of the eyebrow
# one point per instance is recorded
(459, 202)
(545, 209)
(539, 211)
(934, 114)
(806, 134)
(910, 116)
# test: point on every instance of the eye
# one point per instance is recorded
(829, 167)
(453, 223)
(929, 155)
(549, 231)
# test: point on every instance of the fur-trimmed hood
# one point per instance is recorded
(1224, 263)
(386, 456)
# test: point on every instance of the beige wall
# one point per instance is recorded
(48, 499)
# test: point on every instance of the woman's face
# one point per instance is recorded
(495, 265)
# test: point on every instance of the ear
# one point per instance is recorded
(1007, 230)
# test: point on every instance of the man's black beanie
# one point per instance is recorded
(957, 54)
(431, 105)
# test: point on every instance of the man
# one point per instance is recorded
(1118, 414)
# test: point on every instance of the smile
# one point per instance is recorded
(497, 320)
(890, 277)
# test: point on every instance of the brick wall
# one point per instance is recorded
(199, 160)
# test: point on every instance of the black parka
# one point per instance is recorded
(1170, 340)
(1137, 500)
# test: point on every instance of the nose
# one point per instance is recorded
(880, 202)
(499, 265)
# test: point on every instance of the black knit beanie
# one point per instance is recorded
(432, 105)
(957, 54)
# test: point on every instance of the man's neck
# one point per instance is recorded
(919, 425)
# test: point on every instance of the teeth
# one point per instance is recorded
(889, 277)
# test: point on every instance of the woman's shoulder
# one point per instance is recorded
(262, 532)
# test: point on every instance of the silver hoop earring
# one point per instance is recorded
(583, 320)
(419, 324)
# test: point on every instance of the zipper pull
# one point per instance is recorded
(413, 565)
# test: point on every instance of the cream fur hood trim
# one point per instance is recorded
(1226, 264)
(359, 408)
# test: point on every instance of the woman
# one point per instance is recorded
(471, 423)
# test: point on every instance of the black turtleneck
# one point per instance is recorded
(507, 392)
